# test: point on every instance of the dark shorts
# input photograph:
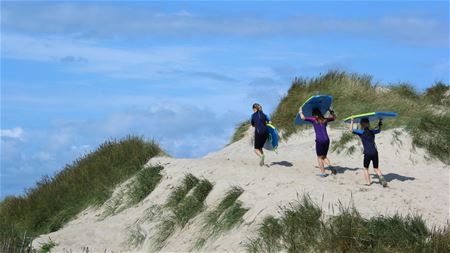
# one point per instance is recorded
(260, 139)
(371, 158)
(322, 147)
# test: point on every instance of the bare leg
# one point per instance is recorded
(380, 176)
(321, 164)
(378, 171)
(327, 161)
(367, 176)
(260, 154)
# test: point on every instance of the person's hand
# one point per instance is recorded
(380, 122)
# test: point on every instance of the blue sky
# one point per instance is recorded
(74, 74)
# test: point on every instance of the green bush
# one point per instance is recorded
(89, 180)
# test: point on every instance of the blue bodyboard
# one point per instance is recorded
(272, 140)
(372, 116)
(322, 102)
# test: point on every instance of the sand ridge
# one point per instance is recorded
(417, 185)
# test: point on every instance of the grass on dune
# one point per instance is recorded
(189, 182)
(146, 181)
(89, 180)
(425, 115)
(303, 228)
(184, 203)
(223, 217)
(239, 133)
(47, 247)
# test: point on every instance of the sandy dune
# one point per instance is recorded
(417, 185)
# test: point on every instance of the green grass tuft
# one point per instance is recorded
(181, 191)
(239, 133)
(303, 228)
(48, 246)
(90, 180)
(136, 236)
(225, 216)
(269, 237)
(342, 144)
(185, 202)
(146, 181)
(193, 204)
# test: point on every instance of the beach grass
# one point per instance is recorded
(302, 227)
(88, 181)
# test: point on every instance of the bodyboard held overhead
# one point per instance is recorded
(372, 116)
(321, 102)
(272, 140)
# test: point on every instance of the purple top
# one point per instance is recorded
(320, 128)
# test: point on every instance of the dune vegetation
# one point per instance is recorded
(88, 181)
(303, 227)
(425, 115)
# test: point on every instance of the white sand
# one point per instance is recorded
(417, 185)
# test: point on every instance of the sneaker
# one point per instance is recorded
(322, 175)
(261, 162)
(383, 181)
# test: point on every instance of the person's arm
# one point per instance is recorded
(333, 115)
(350, 126)
(302, 116)
(378, 129)
(355, 131)
(252, 122)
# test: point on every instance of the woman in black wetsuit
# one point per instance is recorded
(259, 121)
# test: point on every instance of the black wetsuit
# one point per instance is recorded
(259, 121)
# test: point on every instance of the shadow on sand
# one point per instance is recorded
(282, 163)
(393, 176)
(341, 170)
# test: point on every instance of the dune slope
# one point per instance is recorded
(418, 184)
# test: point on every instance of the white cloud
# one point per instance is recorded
(14, 133)
(87, 56)
(100, 21)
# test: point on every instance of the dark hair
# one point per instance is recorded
(365, 120)
(257, 106)
(318, 114)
